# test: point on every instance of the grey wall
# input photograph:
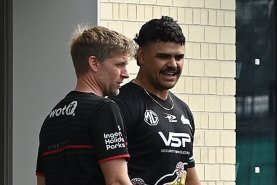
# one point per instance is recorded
(42, 70)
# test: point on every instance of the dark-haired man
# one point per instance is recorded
(160, 126)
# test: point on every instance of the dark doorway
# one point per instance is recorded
(256, 92)
(6, 92)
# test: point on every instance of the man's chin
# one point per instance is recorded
(114, 92)
(168, 86)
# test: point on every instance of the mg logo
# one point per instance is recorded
(151, 118)
(176, 139)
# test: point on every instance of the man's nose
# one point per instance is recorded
(124, 73)
(172, 62)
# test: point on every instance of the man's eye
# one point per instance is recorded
(179, 57)
(167, 56)
(164, 56)
(121, 65)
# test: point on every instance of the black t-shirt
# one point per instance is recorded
(160, 140)
(81, 131)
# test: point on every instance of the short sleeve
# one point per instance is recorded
(108, 133)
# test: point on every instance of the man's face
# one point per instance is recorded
(161, 64)
(112, 72)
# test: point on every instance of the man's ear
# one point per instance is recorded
(140, 56)
(92, 61)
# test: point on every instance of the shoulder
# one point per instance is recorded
(86, 100)
(130, 89)
(179, 102)
(183, 107)
(108, 103)
(129, 93)
(130, 101)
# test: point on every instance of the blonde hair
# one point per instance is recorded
(97, 41)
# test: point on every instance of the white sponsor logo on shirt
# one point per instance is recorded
(185, 121)
(114, 140)
(176, 139)
(151, 118)
(171, 118)
(66, 110)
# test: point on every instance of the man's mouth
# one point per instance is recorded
(169, 73)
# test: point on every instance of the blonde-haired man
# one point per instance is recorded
(82, 141)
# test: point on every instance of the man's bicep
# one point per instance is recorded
(192, 177)
(115, 172)
(40, 180)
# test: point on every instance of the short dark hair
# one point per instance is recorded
(164, 29)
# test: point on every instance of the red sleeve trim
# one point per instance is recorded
(40, 174)
(114, 157)
(66, 147)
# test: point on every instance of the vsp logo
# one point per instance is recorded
(171, 118)
(176, 139)
(66, 110)
(151, 118)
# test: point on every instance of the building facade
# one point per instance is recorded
(228, 80)
(208, 81)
